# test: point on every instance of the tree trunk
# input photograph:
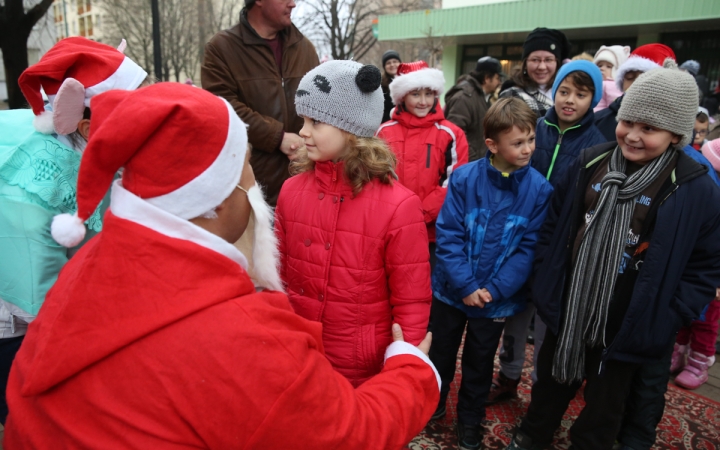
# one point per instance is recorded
(15, 60)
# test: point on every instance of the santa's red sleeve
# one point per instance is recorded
(320, 408)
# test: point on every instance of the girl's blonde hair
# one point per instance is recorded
(365, 158)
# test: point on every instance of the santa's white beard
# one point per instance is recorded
(259, 243)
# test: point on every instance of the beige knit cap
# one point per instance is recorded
(666, 98)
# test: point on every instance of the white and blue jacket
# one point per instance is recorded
(486, 234)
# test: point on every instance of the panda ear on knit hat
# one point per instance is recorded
(185, 153)
(415, 75)
(93, 67)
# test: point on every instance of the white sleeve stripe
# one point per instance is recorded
(453, 152)
(386, 124)
(403, 348)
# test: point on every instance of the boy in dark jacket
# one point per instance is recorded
(468, 101)
(565, 130)
(630, 251)
(486, 235)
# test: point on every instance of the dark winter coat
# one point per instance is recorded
(679, 271)
(465, 106)
(486, 235)
(606, 120)
(565, 147)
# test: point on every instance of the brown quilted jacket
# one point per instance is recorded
(240, 67)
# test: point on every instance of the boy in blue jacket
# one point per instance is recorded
(630, 251)
(486, 234)
(565, 130)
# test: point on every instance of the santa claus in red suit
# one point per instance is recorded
(155, 335)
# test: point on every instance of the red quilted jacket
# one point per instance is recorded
(428, 149)
(356, 264)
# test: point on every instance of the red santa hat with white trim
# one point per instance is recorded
(644, 58)
(415, 75)
(71, 73)
(185, 156)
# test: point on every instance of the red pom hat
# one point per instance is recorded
(644, 58)
(415, 75)
(182, 150)
(71, 73)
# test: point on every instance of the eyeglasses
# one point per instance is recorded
(701, 132)
(242, 189)
(538, 61)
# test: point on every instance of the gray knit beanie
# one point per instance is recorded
(666, 98)
(344, 94)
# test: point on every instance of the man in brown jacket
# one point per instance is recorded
(256, 66)
(467, 102)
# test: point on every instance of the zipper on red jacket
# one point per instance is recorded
(427, 161)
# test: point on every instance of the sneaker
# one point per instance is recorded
(439, 412)
(522, 441)
(695, 373)
(468, 437)
(502, 388)
(679, 358)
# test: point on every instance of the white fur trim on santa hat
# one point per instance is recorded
(404, 348)
(216, 183)
(127, 77)
(633, 63)
(266, 256)
(67, 230)
(423, 78)
(44, 123)
(126, 205)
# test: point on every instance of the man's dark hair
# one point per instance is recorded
(249, 4)
(482, 75)
(581, 80)
(505, 114)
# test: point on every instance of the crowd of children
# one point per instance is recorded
(583, 203)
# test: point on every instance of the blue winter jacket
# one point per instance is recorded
(563, 148)
(679, 272)
(486, 234)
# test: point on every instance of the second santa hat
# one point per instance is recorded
(185, 157)
(644, 58)
(415, 75)
(72, 72)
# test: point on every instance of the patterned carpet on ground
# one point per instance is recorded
(690, 421)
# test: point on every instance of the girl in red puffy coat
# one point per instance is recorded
(428, 147)
(352, 240)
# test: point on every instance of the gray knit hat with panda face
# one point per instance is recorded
(344, 94)
(666, 98)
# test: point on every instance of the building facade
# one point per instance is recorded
(471, 29)
(78, 18)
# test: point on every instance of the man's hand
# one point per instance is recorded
(291, 142)
(424, 345)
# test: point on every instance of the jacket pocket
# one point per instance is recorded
(368, 347)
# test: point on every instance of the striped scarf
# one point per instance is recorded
(597, 263)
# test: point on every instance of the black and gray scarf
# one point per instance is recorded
(597, 263)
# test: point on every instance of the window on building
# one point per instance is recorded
(87, 5)
(80, 7)
(89, 25)
(97, 21)
(82, 26)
